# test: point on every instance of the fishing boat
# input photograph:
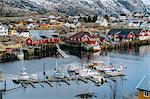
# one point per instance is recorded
(115, 72)
(85, 72)
(96, 48)
(74, 69)
(24, 76)
(59, 75)
(94, 64)
(105, 68)
(20, 55)
(99, 78)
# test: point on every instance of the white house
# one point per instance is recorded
(134, 23)
(24, 33)
(3, 30)
(138, 15)
(70, 25)
(32, 25)
(102, 21)
(73, 19)
(30, 20)
(122, 17)
(52, 18)
(145, 24)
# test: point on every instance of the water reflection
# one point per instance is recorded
(136, 60)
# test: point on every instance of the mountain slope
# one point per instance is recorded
(76, 7)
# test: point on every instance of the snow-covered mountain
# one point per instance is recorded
(76, 7)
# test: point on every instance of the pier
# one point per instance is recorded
(66, 80)
(52, 49)
(124, 45)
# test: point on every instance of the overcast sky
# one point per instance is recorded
(146, 1)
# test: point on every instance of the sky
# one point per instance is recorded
(146, 1)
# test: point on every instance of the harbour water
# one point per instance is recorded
(135, 60)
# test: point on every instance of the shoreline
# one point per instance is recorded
(52, 52)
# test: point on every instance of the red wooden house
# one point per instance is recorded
(45, 37)
(31, 41)
(128, 34)
(82, 39)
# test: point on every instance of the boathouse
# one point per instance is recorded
(128, 34)
(42, 37)
(144, 88)
(82, 40)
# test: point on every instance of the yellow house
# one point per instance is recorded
(60, 23)
(144, 88)
(13, 32)
(45, 26)
(2, 47)
(11, 45)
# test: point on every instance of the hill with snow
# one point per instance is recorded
(74, 7)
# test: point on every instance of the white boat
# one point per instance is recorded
(24, 76)
(99, 78)
(105, 68)
(115, 72)
(20, 55)
(96, 48)
(74, 69)
(58, 74)
(94, 64)
(85, 72)
(109, 70)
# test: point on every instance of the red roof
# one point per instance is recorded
(44, 24)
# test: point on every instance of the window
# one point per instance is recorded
(146, 94)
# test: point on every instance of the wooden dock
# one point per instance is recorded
(51, 80)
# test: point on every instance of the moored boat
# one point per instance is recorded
(94, 64)
(20, 55)
(24, 76)
(96, 48)
(115, 72)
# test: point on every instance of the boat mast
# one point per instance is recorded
(22, 60)
(44, 73)
(56, 68)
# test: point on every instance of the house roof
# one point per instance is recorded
(42, 34)
(22, 30)
(81, 34)
(124, 31)
(144, 84)
(5, 26)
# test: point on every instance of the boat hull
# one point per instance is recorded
(15, 81)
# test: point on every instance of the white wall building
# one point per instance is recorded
(102, 21)
(24, 33)
(3, 30)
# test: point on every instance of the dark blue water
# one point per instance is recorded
(135, 60)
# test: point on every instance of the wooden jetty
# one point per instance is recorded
(86, 95)
(49, 80)
(124, 45)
